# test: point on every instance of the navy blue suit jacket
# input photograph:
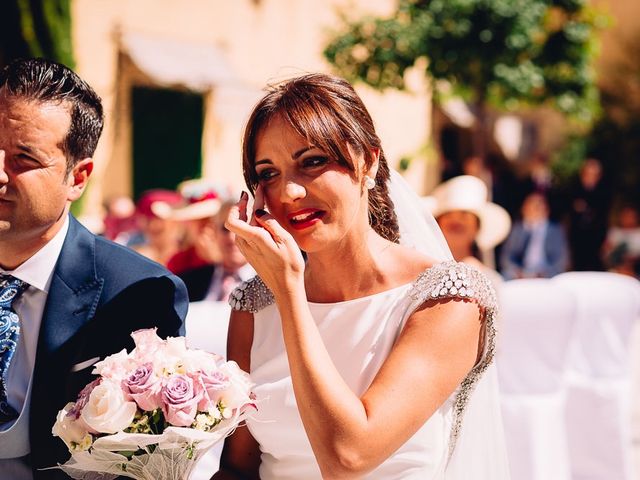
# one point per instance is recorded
(99, 294)
(555, 250)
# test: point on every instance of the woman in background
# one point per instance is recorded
(472, 225)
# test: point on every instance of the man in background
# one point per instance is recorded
(589, 203)
(536, 247)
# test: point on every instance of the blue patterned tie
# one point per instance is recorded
(10, 289)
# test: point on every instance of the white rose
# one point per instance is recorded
(238, 393)
(200, 361)
(108, 410)
(169, 359)
(72, 431)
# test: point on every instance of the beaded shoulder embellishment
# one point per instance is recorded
(251, 296)
(451, 279)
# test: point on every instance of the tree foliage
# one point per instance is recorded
(36, 28)
(508, 53)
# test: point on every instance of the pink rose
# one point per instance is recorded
(143, 387)
(214, 385)
(114, 367)
(180, 397)
(147, 344)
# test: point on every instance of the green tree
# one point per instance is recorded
(503, 53)
(36, 28)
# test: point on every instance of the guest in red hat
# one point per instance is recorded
(215, 280)
(200, 202)
(161, 234)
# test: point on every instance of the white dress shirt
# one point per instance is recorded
(535, 256)
(37, 271)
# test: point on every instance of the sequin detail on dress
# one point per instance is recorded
(458, 280)
(251, 296)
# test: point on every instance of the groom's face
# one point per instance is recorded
(35, 188)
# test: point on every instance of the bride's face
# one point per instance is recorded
(316, 199)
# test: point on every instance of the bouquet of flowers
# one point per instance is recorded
(152, 413)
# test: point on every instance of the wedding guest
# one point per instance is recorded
(161, 235)
(215, 280)
(202, 201)
(589, 202)
(536, 246)
(70, 297)
(621, 249)
(470, 223)
(120, 220)
(372, 359)
(538, 177)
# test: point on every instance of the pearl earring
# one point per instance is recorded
(369, 182)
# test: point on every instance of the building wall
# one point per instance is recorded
(623, 31)
(263, 41)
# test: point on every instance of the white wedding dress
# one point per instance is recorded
(463, 439)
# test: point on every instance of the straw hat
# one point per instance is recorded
(469, 194)
(201, 198)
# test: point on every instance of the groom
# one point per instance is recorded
(67, 297)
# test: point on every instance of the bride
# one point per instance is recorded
(372, 358)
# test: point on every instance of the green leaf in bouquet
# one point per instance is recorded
(190, 451)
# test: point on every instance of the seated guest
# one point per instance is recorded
(201, 201)
(621, 250)
(536, 247)
(469, 222)
(160, 235)
(120, 223)
(214, 281)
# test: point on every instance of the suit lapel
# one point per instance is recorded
(73, 296)
(74, 292)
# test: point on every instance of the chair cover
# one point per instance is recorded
(537, 319)
(206, 328)
(599, 378)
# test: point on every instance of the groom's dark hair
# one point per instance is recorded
(48, 81)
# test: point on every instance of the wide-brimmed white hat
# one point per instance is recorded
(202, 200)
(469, 194)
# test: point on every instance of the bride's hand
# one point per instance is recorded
(266, 245)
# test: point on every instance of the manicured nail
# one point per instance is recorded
(244, 195)
(260, 213)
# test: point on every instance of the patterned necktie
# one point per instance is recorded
(10, 289)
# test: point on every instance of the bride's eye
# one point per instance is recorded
(266, 174)
(314, 162)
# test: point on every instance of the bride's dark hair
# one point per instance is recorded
(326, 110)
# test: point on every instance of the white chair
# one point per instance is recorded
(206, 326)
(535, 325)
(599, 379)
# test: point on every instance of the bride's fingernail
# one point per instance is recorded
(244, 195)
(260, 213)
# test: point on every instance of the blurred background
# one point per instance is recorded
(531, 97)
(517, 93)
